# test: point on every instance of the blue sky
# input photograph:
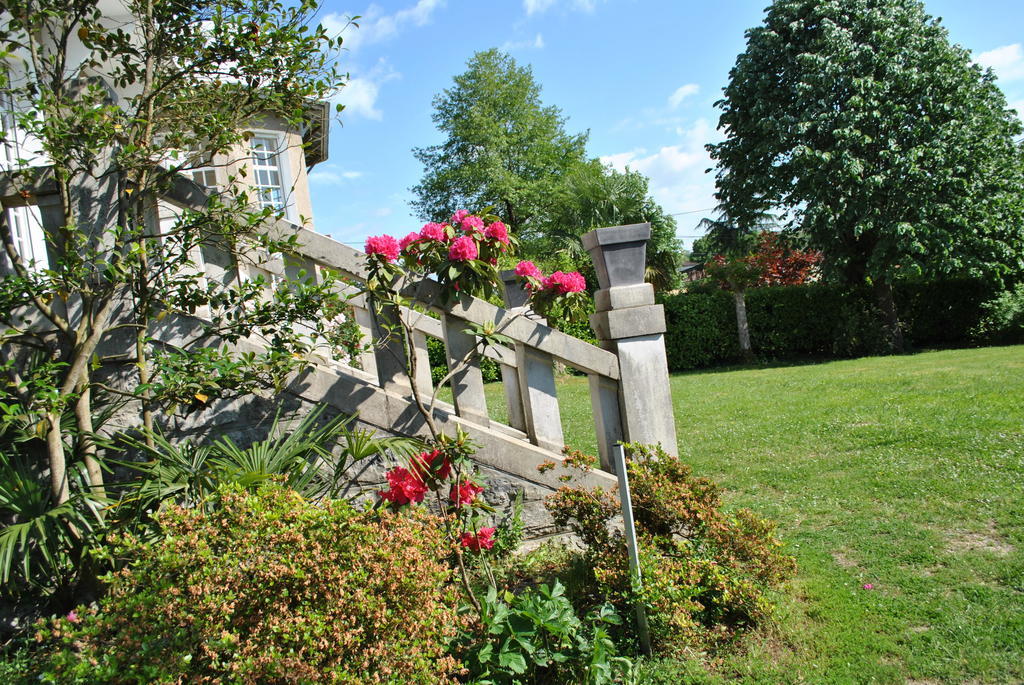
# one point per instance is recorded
(640, 75)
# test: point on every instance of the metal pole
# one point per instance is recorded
(634, 558)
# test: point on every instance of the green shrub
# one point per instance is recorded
(536, 636)
(821, 320)
(1003, 320)
(706, 572)
(701, 330)
(269, 588)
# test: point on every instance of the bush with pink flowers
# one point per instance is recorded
(462, 255)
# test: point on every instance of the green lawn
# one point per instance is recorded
(906, 473)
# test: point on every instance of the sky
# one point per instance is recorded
(641, 76)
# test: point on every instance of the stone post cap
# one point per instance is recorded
(619, 254)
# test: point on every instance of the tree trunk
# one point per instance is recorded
(890, 319)
(58, 462)
(87, 446)
(740, 300)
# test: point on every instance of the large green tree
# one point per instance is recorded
(503, 147)
(594, 196)
(880, 139)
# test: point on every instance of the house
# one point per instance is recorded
(271, 164)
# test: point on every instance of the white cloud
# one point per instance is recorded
(382, 211)
(681, 93)
(538, 6)
(374, 26)
(1007, 61)
(332, 175)
(537, 43)
(362, 90)
(677, 172)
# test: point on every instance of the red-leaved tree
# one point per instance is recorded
(773, 263)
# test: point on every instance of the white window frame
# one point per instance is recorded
(205, 172)
(29, 239)
(283, 169)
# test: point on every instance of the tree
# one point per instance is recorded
(724, 235)
(772, 262)
(596, 196)
(120, 107)
(503, 148)
(885, 145)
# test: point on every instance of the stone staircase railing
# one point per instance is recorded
(628, 377)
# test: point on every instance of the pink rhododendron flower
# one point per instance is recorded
(472, 223)
(73, 617)
(462, 249)
(484, 539)
(527, 269)
(383, 245)
(497, 231)
(431, 464)
(408, 240)
(562, 283)
(432, 232)
(405, 487)
(458, 216)
(465, 492)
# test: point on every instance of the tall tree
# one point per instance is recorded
(120, 107)
(883, 142)
(504, 149)
(595, 196)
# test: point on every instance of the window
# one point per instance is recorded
(205, 177)
(267, 176)
(27, 232)
(26, 225)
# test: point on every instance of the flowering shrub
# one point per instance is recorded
(382, 247)
(462, 255)
(705, 571)
(269, 588)
(482, 539)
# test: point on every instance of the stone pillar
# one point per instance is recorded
(628, 323)
(535, 379)
(515, 300)
(467, 381)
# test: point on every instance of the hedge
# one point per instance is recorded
(820, 321)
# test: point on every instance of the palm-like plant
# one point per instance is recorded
(312, 458)
(43, 546)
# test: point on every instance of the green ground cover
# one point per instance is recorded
(902, 473)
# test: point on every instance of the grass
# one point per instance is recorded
(905, 473)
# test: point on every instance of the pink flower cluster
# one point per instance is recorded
(563, 283)
(484, 539)
(463, 249)
(497, 231)
(476, 241)
(406, 487)
(558, 283)
(383, 246)
(465, 492)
